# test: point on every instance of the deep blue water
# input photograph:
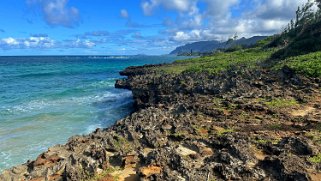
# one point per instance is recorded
(45, 100)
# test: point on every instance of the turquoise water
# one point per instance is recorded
(45, 100)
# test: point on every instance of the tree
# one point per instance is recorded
(292, 24)
(235, 37)
(305, 14)
(318, 3)
(298, 16)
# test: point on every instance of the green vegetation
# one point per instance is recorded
(202, 131)
(104, 174)
(309, 64)
(217, 101)
(224, 131)
(220, 106)
(302, 34)
(261, 141)
(314, 136)
(220, 61)
(315, 159)
(235, 48)
(266, 141)
(275, 126)
(180, 134)
(281, 103)
(121, 143)
(300, 42)
(265, 42)
(298, 47)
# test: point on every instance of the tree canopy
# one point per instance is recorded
(318, 3)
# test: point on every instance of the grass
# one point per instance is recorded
(104, 174)
(309, 64)
(275, 126)
(315, 159)
(219, 62)
(217, 101)
(180, 134)
(314, 136)
(121, 143)
(217, 104)
(224, 131)
(265, 141)
(281, 103)
(261, 141)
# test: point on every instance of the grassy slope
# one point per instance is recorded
(307, 64)
(220, 61)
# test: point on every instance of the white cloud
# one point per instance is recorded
(276, 9)
(180, 5)
(213, 19)
(10, 41)
(194, 35)
(181, 36)
(124, 13)
(57, 12)
(78, 44)
(24, 43)
(44, 43)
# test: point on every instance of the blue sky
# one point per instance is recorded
(113, 27)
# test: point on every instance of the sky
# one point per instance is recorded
(128, 27)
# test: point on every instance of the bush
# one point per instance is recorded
(301, 41)
(315, 159)
(234, 48)
(281, 103)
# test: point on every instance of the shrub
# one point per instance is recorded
(281, 103)
(309, 64)
(315, 159)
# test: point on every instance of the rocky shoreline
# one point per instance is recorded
(237, 125)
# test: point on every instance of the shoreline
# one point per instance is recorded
(195, 126)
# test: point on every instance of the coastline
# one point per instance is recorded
(43, 96)
(195, 126)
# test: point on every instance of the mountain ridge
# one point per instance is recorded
(212, 45)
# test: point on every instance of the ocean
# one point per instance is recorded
(44, 100)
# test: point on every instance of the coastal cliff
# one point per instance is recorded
(239, 124)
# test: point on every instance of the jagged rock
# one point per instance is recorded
(195, 126)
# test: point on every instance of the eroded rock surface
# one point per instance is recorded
(238, 125)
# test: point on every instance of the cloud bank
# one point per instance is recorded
(216, 19)
(43, 41)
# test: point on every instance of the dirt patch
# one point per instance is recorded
(128, 174)
(302, 112)
(150, 170)
(259, 154)
(315, 176)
